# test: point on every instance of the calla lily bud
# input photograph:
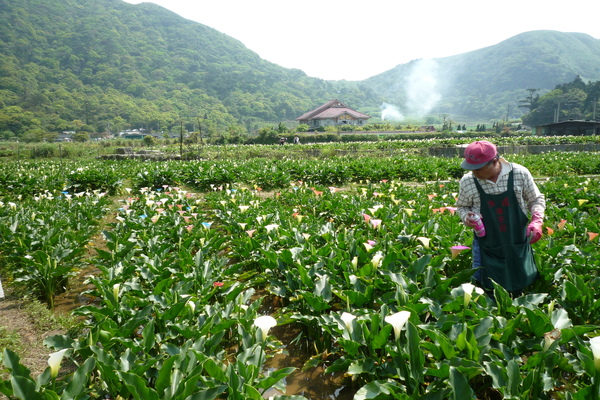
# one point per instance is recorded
(595, 345)
(116, 289)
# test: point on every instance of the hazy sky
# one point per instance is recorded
(355, 39)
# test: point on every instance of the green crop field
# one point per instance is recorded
(210, 269)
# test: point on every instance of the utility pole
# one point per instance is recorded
(181, 141)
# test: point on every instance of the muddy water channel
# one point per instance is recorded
(314, 384)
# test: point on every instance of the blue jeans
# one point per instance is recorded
(476, 252)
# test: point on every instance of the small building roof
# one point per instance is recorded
(332, 109)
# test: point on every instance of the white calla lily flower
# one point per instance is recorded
(398, 320)
(348, 318)
(264, 323)
(54, 362)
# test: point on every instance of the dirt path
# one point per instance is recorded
(16, 320)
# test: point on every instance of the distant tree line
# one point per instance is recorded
(573, 100)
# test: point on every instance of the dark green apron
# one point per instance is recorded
(506, 255)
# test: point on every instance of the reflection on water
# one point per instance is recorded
(74, 296)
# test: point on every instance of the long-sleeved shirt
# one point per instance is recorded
(529, 197)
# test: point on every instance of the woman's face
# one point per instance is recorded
(489, 171)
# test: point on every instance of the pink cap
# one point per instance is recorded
(478, 154)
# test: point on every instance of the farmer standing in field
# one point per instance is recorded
(503, 195)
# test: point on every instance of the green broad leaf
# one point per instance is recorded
(381, 338)
(433, 349)
(588, 363)
(313, 362)
(586, 393)
(443, 342)
(530, 299)
(316, 302)
(443, 372)
(497, 373)
(560, 319)
(24, 388)
(148, 340)
(208, 394)
(513, 388)
(571, 292)
(418, 266)
(350, 346)
(286, 397)
(162, 286)
(176, 386)
(80, 380)
(50, 395)
(323, 288)
(274, 377)
(538, 322)
(104, 255)
(358, 367)
(6, 388)
(356, 298)
(510, 331)
(139, 319)
(417, 357)
(431, 278)
(503, 300)
(44, 378)
(214, 371)
(59, 342)
(190, 386)
(304, 277)
(460, 386)
(12, 361)
(137, 386)
(251, 393)
(164, 375)
(371, 390)
(340, 365)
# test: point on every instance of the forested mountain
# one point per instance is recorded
(491, 81)
(105, 64)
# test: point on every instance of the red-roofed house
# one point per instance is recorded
(333, 113)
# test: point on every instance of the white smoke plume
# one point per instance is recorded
(390, 112)
(422, 87)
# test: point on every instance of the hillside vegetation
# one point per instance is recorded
(106, 65)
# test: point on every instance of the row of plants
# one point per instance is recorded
(45, 238)
(25, 178)
(313, 145)
(372, 274)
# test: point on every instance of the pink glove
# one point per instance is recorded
(468, 221)
(534, 229)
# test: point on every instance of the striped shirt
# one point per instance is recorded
(529, 197)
